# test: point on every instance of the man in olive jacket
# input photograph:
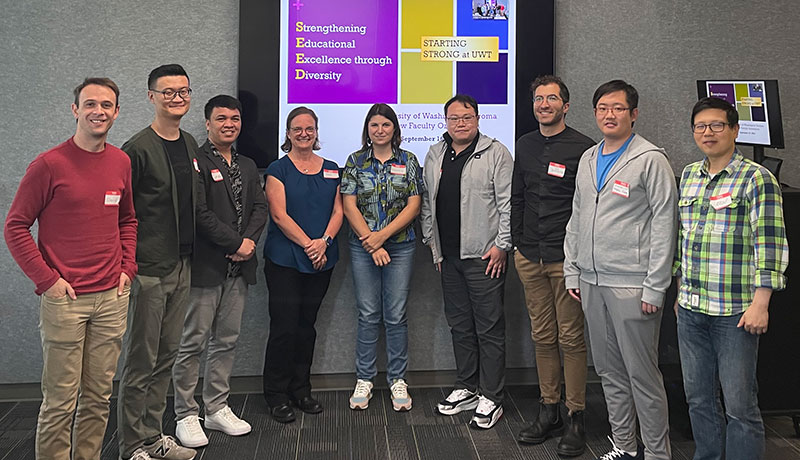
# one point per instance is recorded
(164, 178)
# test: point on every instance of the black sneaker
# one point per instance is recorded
(487, 414)
(619, 454)
(457, 401)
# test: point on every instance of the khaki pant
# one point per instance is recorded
(81, 341)
(157, 312)
(556, 319)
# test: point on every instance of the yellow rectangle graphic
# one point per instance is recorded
(751, 101)
(462, 49)
(425, 17)
(425, 82)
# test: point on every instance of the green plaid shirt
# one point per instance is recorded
(732, 237)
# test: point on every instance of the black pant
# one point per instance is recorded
(294, 300)
(473, 306)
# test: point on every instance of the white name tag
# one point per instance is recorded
(398, 170)
(196, 167)
(112, 198)
(556, 169)
(621, 188)
(330, 173)
(695, 300)
(721, 201)
(216, 175)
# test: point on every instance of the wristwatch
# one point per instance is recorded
(327, 239)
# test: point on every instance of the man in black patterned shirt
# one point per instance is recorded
(231, 213)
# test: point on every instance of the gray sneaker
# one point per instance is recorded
(138, 454)
(166, 448)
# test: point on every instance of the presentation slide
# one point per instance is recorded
(339, 58)
(749, 99)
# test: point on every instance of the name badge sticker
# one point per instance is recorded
(556, 169)
(621, 188)
(112, 198)
(399, 170)
(695, 300)
(721, 201)
(216, 175)
(330, 173)
(196, 166)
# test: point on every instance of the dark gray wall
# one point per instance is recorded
(660, 47)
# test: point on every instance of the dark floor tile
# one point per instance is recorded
(381, 433)
(21, 417)
(498, 442)
(324, 441)
(336, 411)
(444, 442)
(5, 408)
(369, 443)
(276, 444)
(24, 450)
(783, 427)
(402, 443)
(221, 446)
(524, 400)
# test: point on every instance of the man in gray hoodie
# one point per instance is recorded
(466, 221)
(618, 250)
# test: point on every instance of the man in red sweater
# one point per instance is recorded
(80, 192)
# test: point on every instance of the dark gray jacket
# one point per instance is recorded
(217, 235)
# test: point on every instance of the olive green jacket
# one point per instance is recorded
(155, 198)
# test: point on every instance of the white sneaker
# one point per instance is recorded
(138, 454)
(165, 448)
(457, 401)
(361, 395)
(226, 421)
(487, 413)
(401, 401)
(190, 433)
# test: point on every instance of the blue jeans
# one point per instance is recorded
(716, 355)
(382, 292)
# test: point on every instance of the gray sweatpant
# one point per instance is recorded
(624, 346)
(214, 317)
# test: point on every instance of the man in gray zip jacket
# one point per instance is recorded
(619, 249)
(466, 221)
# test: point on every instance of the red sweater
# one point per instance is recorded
(87, 224)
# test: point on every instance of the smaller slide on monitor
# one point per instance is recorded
(758, 105)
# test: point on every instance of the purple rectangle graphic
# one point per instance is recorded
(342, 52)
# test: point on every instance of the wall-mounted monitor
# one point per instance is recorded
(759, 107)
(340, 58)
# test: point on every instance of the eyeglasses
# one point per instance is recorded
(716, 127)
(298, 130)
(602, 110)
(551, 98)
(169, 93)
(466, 119)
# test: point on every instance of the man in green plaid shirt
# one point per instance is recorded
(732, 253)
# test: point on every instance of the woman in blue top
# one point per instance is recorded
(300, 252)
(382, 189)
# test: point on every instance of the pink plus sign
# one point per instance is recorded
(297, 4)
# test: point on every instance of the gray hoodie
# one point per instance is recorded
(485, 199)
(615, 240)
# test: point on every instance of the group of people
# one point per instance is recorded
(161, 236)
